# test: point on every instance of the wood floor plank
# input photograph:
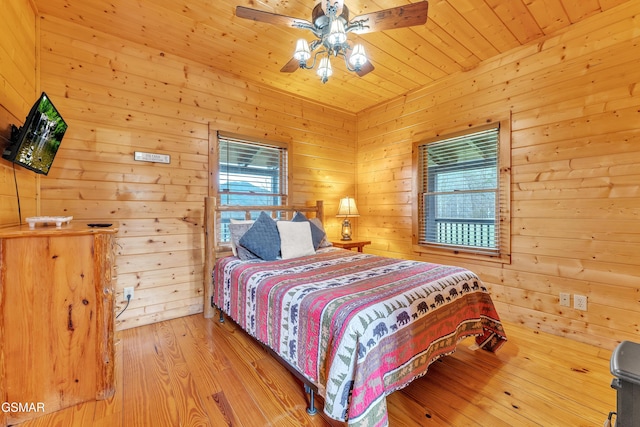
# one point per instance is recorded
(256, 388)
(558, 386)
(198, 350)
(289, 394)
(183, 389)
(570, 359)
(523, 403)
(148, 399)
(531, 362)
(441, 407)
(256, 403)
(407, 411)
(460, 403)
(238, 399)
(196, 371)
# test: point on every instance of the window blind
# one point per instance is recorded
(459, 198)
(251, 173)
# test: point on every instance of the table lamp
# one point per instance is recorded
(347, 209)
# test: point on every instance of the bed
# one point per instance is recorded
(354, 327)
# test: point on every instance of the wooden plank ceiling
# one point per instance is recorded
(458, 35)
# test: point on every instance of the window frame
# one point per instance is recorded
(503, 210)
(214, 167)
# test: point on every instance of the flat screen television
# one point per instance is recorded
(35, 144)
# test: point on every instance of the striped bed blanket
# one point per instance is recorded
(357, 326)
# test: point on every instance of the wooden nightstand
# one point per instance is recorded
(350, 244)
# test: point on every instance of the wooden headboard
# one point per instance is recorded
(214, 248)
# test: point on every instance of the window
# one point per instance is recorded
(462, 199)
(250, 173)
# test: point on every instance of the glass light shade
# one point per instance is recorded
(345, 231)
(347, 207)
(358, 58)
(337, 35)
(324, 69)
(302, 52)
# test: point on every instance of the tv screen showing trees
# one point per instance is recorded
(37, 142)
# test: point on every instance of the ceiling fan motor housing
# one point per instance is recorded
(321, 19)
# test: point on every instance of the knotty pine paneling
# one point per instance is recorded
(575, 108)
(18, 91)
(573, 97)
(120, 97)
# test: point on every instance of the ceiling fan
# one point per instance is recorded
(330, 24)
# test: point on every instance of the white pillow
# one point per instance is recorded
(295, 239)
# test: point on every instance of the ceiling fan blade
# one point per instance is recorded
(397, 17)
(270, 18)
(365, 69)
(290, 66)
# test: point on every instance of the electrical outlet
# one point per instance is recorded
(580, 302)
(128, 293)
(565, 299)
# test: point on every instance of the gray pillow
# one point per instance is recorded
(317, 234)
(238, 230)
(262, 238)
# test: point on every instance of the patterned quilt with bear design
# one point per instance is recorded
(357, 326)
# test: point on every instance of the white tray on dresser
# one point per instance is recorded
(57, 220)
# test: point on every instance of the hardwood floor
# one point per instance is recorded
(197, 372)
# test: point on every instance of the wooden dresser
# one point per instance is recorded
(57, 318)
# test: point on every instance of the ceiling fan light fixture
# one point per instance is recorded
(324, 69)
(331, 25)
(358, 57)
(302, 52)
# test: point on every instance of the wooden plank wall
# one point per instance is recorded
(575, 105)
(18, 91)
(119, 98)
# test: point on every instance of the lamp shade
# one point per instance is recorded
(324, 69)
(337, 34)
(347, 207)
(302, 52)
(358, 57)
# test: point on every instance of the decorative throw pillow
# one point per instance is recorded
(262, 238)
(241, 221)
(246, 255)
(317, 233)
(325, 243)
(237, 230)
(295, 238)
